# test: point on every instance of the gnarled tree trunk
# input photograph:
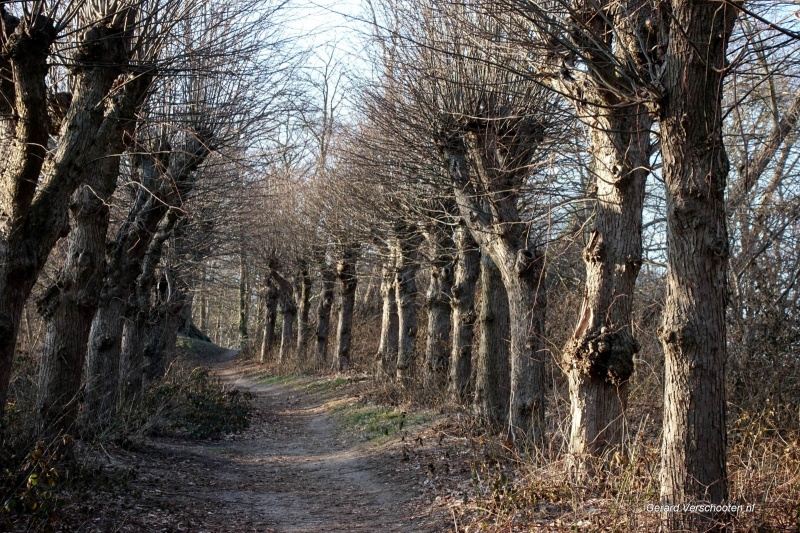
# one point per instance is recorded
(406, 297)
(493, 372)
(270, 319)
(326, 296)
(131, 366)
(303, 308)
(244, 301)
(389, 339)
(346, 272)
(288, 312)
(142, 315)
(599, 356)
(494, 220)
(68, 306)
(463, 312)
(437, 301)
(38, 184)
(167, 178)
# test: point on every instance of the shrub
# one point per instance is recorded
(195, 404)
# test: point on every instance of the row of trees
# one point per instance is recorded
(496, 135)
(123, 123)
(179, 163)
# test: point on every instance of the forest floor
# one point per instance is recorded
(316, 457)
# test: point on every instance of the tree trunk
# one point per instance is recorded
(326, 296)
(132, 360)
(406, 296)
(303, 309)
(142, 315)
(494, 221)
(288, 313)
(270, 319)
(437, 301)
(527, 307)
(346, 272)
(599, 356)
(24, 121)
(163, 331)
(693, 329)
(463, 313)
(371, 292)
(244, 302)
(204, 302)
(38, 184)
(493, 372)
(102, 374)
(387, 349)
(69, 305)
(168, 179)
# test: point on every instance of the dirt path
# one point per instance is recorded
(293, 470)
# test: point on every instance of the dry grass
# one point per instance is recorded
(502, 488)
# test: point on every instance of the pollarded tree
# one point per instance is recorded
(40, 182)
(598, 56)
(465, 277)
(68, 306)
(693, 332)
(490, 124)
(204, 110)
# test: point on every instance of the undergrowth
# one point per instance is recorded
(191, 402)
(40, 481)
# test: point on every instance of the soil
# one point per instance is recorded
(294, 470)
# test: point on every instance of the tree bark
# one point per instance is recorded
(132, 361)
(493, 372)
(142, 316)
(244, 302)
(204, 302)
(489, 207)
(406, 297)
(38, 184)
(693, 329)
(162, 334)
(167, 178)
(346, 272)
(104, 355)
(437, 301)
(303, 309)
(270, 319)
(326, 296)
(463, 313)
(599, 357)
(387, 349)
(68, 306)
(288, 312)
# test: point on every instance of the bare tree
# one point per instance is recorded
(463, 312)
(40, 182)
(346, 272)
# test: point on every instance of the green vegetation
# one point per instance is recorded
(27, 489)
(374, 421)
(328, 385)
(272, 380)
(196, 405)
